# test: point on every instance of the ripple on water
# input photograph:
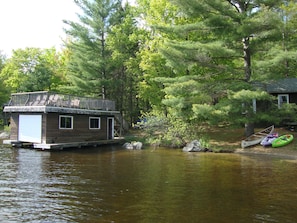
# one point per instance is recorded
(145, 186)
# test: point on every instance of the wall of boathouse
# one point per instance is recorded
(14, 123)
(51, 133)
(80, 131)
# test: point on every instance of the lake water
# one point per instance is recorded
(109, 184)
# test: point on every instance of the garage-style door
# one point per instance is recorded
(30, 128)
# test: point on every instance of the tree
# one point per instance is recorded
(89, 62)
(31, 69)
(218, 35)
(2, 60)
(4, 93)
(216, 42)
(123, 42)
(152, 64)
(277, 59)
(103, 54)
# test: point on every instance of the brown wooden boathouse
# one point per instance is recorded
(49, 120)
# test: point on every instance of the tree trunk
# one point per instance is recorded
(249, 129)
(247, 58)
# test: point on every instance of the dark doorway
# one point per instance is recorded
(110, 128)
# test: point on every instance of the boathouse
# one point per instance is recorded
(50, 120)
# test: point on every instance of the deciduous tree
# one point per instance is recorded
(31, 69)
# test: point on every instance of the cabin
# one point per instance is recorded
(49, 120)
(285, 90)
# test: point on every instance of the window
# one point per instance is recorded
(65, 122)
(94, 123)
(282, 99)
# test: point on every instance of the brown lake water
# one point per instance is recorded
(109, 184)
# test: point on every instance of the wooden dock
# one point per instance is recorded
(61, 146)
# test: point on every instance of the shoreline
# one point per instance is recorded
(259, 150)
(256, 150)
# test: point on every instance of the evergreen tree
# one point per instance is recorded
(152, 64)
(222, 36)
(216, 43)
(277, 59)
(123, 42)
(89, 63)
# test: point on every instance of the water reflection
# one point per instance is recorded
(109, 184)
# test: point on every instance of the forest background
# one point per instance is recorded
(178, 66)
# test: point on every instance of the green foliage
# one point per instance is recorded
(287, 112)
(90, 65)
(209, 49)
(181, 93)
(2, 60)
(169, 131)
(4, 93)
(123, 43)
(278, 57)
(31, 69)
(103, 54)
(246, 107)
(187, 63)
(214, 33)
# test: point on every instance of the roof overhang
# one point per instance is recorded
(51, 109)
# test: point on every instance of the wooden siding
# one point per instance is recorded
(52, 134)
(79, 133)
(293, 98)
(51, 105)
(14, 123)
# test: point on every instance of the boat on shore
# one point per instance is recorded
(282, 140)
(267, 141)
(257, 137)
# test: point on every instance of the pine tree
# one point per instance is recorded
(123, 42)
(277, 59)
(214, 43)
(223, 36)
(89, 64)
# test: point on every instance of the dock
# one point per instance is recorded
(61, 146)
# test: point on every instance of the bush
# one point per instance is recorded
(168, 132)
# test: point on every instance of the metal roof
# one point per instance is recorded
(286, 85)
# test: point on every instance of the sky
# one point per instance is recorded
(34, 23)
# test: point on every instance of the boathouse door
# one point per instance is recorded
(110, 128)
(30, 128)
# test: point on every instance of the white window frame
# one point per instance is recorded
(280, 101)
(99, 122)
(65, 116)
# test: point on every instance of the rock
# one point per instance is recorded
(4, 135)
(128, 145)
(133, 145)
(137, 145)
(195, 146)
